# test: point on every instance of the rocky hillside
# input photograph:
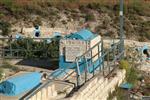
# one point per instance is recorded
(101, 16)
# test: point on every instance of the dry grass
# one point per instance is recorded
(73, 3)
(19, 4)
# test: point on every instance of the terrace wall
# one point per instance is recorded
(99, 87)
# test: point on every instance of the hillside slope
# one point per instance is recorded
(100, 17)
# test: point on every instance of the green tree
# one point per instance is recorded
(34, 49)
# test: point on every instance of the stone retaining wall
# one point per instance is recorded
(99, 87)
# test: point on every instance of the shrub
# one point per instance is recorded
(124, 64)
(71, 1)
(34, 49)
(132, 76)
(147, 35)
(1, 73)
(1, 15)
(119, 93)
(90, 17)
(131, 72)
(37, 21)
(138, 7)
(54, 48)
(5, 27)
(98, 29)
(8, 3)
(94, 6)
(6, 65)
(12, 6)
(64, 22)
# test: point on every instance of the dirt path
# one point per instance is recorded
(130, 43)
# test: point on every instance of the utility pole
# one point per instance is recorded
(121, 28)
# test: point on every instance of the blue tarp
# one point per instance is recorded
(21, 83)
(126, 86)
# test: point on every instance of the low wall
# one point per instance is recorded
(99, 87)
(45, 93)
(45, 31)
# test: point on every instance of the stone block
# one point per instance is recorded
(44, 94)
(39, 95)
(94, 81)
(49, 91)
(34, 97)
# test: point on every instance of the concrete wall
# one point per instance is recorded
(44, 31)
(99, 87)
(83, 46)
(72, 53)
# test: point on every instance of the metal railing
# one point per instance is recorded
(10, 47)
(49, 82)
(104, 59)
(33, 92)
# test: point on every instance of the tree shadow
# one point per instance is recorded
(40, 63)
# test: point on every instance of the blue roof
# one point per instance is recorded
(83, 34)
